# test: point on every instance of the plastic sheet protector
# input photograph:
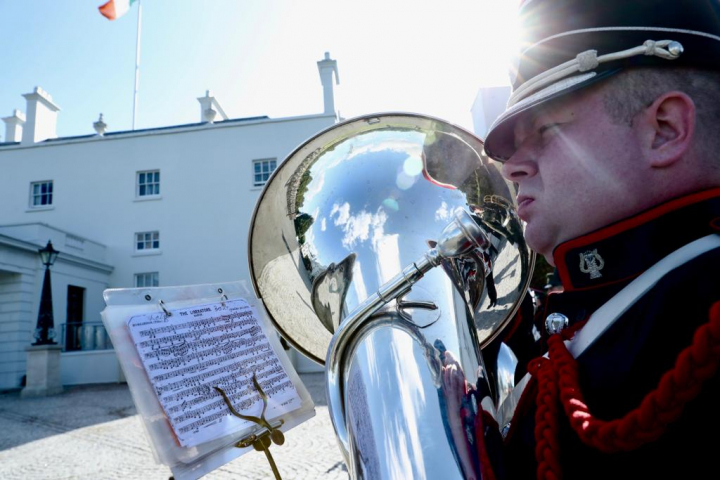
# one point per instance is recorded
(175, 345)
(195, 348)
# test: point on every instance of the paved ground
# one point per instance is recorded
(92, 432)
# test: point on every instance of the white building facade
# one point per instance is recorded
(156, 207)
(489, 104)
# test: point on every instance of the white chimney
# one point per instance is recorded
(100, 126)
(14, 126)
(326, 67)
(41, 117)
(209, 108)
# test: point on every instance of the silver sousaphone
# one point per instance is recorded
(343, 247)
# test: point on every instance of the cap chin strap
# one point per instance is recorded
(589, 60)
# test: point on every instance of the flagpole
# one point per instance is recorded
(137, 63)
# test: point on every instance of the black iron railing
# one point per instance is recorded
(84, 336)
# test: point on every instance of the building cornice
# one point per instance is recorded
(47, 225)
(198, 127)
(69, 258)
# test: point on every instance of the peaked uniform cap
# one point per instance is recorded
(570, 44)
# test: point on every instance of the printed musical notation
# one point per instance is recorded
(196, 348)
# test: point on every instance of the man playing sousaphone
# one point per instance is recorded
(611, 137)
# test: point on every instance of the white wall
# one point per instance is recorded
(203, 215)
(489, 103)
(16, 302)
(207, 197)
(95, 366)
(21, 277)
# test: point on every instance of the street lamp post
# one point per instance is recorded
(43, 356)
(45, 331)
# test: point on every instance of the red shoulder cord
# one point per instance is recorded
(557, 379)
(483, 417)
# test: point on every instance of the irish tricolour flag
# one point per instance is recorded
(115, 9)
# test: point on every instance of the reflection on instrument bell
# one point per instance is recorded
(329, 290)
(343, 245)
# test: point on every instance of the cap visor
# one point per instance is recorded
(500, 140)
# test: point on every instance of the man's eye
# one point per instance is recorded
(547, 127)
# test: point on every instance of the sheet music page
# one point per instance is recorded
(196, 348)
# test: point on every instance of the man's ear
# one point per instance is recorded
(669, 128)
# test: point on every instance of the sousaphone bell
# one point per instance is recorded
(343, 247)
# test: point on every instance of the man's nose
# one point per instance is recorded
(519, 167)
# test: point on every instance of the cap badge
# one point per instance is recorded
(591, 262)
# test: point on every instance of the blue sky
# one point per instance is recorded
(258, 57)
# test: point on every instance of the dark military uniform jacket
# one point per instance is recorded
(628, 360)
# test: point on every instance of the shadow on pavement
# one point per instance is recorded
(26, 420)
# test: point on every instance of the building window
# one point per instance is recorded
(147, 241)
(263, 169)
(148, 183)
(149, 279)
(41, 194)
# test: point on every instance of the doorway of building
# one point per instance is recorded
(74, 318)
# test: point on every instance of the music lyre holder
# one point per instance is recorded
(260, 442)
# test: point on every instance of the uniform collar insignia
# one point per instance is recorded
(629, 247)
(591, 262)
